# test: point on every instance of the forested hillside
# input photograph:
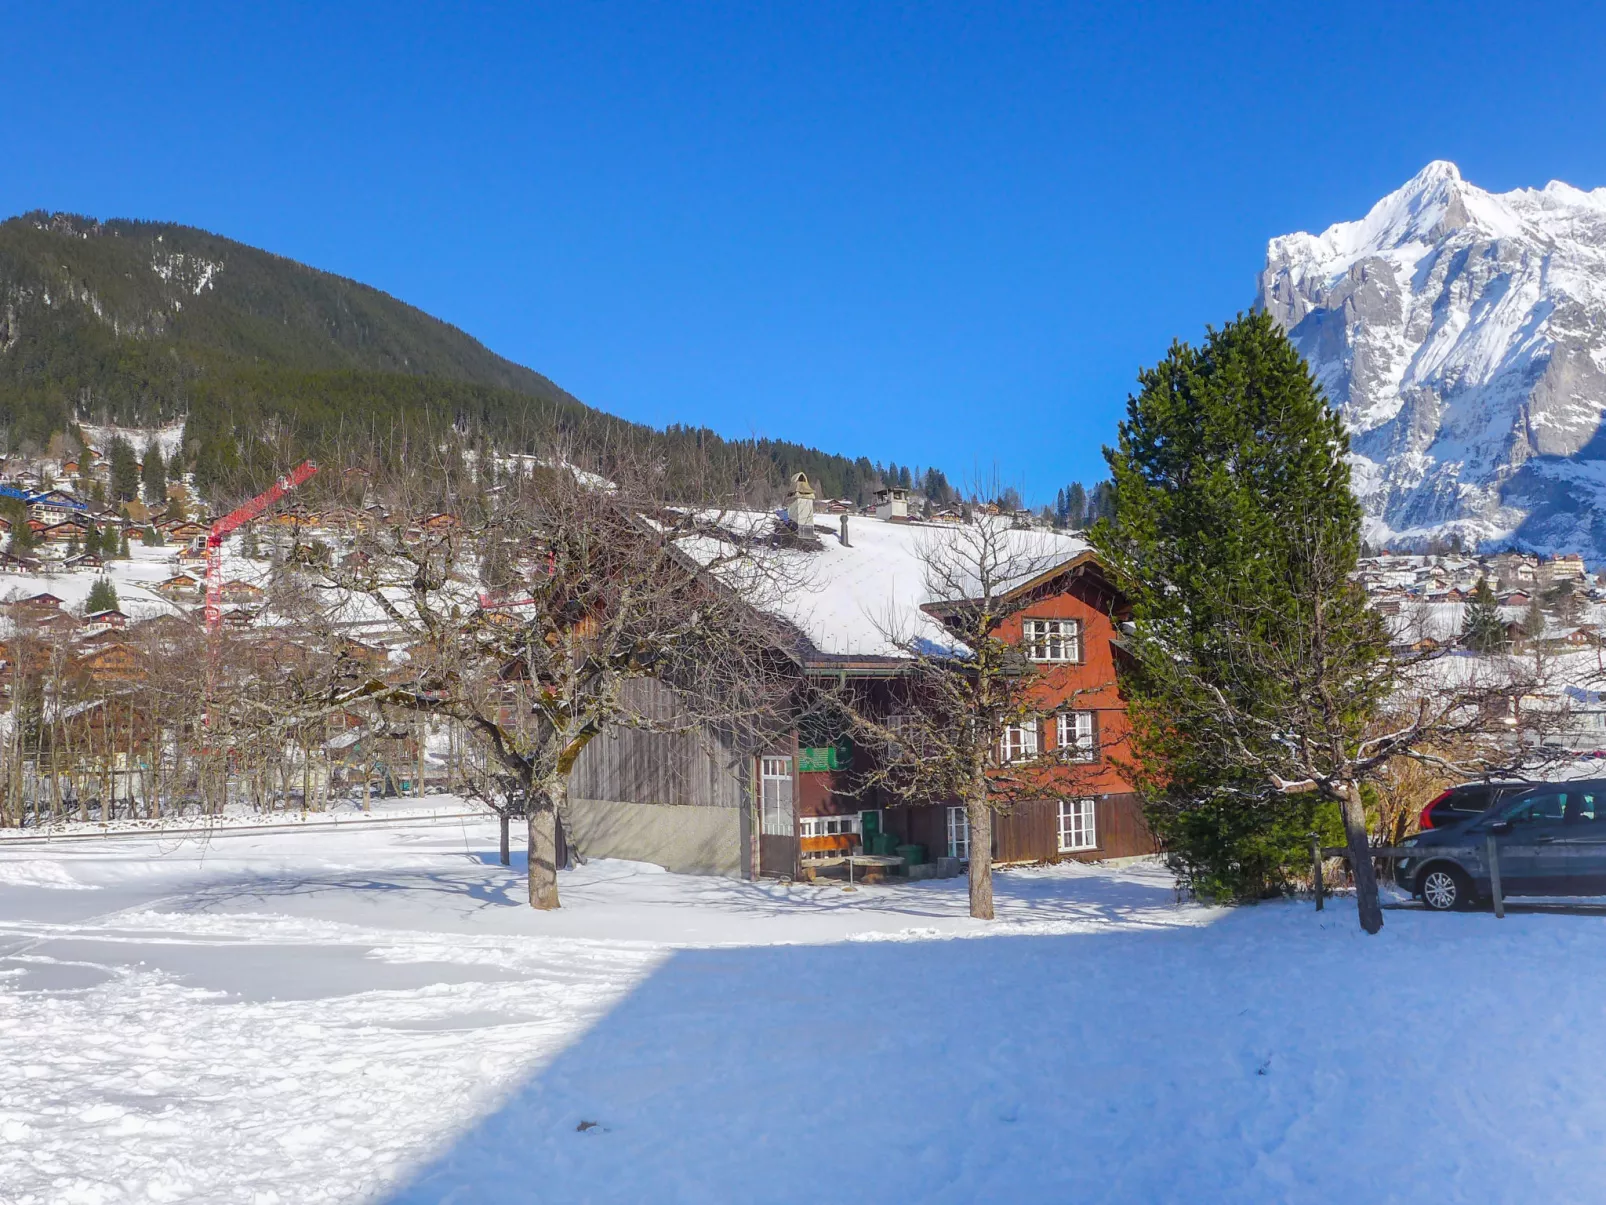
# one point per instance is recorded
(140, 323)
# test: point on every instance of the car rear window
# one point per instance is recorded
(1474, 800)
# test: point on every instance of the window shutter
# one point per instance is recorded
(1097, 752)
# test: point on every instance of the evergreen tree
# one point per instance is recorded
(102, 596)
(1101, 503)
(1076, 506)
(92, 544)
(122, 545)
(1533, 621)
(150, 537)
(153, 475)
(16, 514)
(72, 547)
(124, 470)
(1230, 525)
(1481, 627)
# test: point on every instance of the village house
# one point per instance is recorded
(181, 587)
(236, 591)
(109, 661)
(55, 505)
(695, 803)
(105, 621)
(1568, 567)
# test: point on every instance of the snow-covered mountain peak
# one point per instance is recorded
(1462, 333)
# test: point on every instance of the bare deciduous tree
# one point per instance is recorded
(966, 726)
(524, 607)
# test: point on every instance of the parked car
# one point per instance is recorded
(1550, 840)
(1462, 803)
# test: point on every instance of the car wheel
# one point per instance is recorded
(1445, 888)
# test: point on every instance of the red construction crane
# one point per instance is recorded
(232, 520)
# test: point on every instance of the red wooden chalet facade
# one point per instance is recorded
(696, 803)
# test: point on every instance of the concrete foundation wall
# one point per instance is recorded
(679, 837)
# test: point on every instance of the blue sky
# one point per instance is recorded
(932, 234)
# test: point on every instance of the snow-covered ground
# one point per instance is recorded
(369, 1013)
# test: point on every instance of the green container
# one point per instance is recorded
(913, 855)
(883, 843)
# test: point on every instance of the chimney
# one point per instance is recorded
(800, 503)
(844, 531)
(892, 502)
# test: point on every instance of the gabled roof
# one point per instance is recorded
(856, 604)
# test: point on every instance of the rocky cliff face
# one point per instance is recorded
(1463, 336)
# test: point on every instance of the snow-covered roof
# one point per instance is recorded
(864, 599)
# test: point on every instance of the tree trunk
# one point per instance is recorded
(543, 825)
(981, 859)
(1360, 858)
(506, 858)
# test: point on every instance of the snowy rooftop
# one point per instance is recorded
(864, 599)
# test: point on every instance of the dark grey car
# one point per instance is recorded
(1550, 839)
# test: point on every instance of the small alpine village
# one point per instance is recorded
(693, 605)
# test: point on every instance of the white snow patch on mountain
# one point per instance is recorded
(1462, 334)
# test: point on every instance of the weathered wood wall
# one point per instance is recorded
(632, 765)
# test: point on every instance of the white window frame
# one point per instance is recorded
(776, 815)
(1076, 736)
(1078, 825)
(958, 834)
(1053, 641)
(1018, 742)
(829, 826)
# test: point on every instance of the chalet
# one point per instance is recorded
(112, 661)
(698, 803)
(105, 621)
(12, 562)
(181, 531)
(65, 532)
(55, 504)
(236, 591)
(344, 519)
(41, 603)
(56, 623)
(179, 587)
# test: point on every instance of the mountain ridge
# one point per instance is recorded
(1462, 335)
(138, 323)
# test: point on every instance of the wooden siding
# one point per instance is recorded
(1087, 685)
(630, 765)
(1029, 832)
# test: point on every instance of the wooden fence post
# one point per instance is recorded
(1494, 877)
(1316, 867)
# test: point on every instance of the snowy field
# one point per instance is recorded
(370, 1014)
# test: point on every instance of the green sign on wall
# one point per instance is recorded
(825, 757)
